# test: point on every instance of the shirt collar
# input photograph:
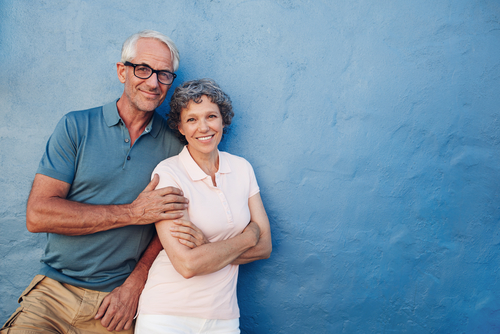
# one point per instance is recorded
(112, 118)
(194, 171)
(110, 112)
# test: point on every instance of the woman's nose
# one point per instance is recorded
(203, 126)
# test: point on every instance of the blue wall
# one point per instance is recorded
(373, 127)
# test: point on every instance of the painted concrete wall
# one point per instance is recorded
(373, 127)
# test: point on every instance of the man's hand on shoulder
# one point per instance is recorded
(154, 205)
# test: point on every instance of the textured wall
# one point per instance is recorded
(373, 127)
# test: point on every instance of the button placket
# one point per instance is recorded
(126, 143)
(225, 205)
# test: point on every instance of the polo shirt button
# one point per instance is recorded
(128, 158)
(126, 140)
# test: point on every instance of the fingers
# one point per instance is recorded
(118, 323)
(175, 199)
(112, 317)
(154, 182)
(102, 309)
(187, 233)
(117, 320)
(187, 243)
(170, 191)
(164, 191)
(170, 215)
(254, 228)
(186, 223)
(187, 239)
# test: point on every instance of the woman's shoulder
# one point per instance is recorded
(169, 164)
(235, 160)
(232, 157)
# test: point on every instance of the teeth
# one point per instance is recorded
(205, 138)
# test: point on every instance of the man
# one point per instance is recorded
(92, 198)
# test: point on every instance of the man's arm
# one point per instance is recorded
(48, 210)
(118, 309)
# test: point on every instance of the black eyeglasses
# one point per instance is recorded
(145, 72)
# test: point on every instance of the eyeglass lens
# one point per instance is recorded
(144, 72)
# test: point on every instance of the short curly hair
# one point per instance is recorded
(193, 91)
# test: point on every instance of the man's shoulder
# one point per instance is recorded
(162, 130)
(84, 113)
(104, 114)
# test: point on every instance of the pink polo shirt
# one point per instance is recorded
(221, 212)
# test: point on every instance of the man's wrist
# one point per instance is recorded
(137, 279)
(124, 215)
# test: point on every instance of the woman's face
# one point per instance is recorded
(201, 124)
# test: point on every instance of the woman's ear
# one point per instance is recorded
(179, 127)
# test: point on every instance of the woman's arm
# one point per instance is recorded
(207, 258)
(264, 247)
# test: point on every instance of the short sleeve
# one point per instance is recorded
(253, 186)
(167, 176)
(58, 160)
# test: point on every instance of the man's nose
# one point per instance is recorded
(152, 81)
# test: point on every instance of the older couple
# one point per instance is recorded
(93, 197)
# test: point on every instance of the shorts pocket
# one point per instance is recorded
(34, 282)
(12, 318)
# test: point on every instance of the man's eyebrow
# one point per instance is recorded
(144, 64)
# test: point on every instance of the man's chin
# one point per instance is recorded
(148, 106)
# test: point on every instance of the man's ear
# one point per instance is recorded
(120, 70)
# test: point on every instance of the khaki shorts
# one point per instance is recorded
(48, 306)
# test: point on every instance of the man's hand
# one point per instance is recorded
(118, 309)
(154, 205)
(188, 234)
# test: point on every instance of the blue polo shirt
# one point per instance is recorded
(90, 150)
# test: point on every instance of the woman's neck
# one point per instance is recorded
(209, 163)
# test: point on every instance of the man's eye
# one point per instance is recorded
(164, 75)
(142, 69)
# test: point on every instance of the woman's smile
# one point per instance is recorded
(201, 124)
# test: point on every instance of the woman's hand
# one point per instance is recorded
(264, 246)
(192, 260)
(188, 233)
(253, 228)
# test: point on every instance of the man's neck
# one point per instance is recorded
(135, 120)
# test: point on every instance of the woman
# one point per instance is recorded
(193, 290)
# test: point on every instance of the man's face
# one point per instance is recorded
(145, 95)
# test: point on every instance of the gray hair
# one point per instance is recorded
(193, 91)
(129, 46)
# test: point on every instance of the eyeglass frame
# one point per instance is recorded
(127, 63)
